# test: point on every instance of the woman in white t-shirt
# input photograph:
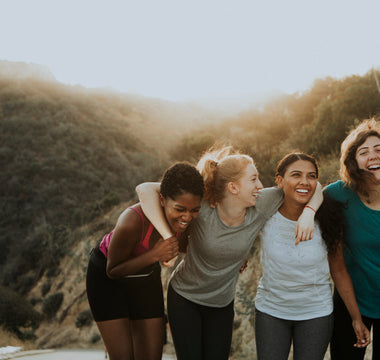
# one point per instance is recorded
(294, 300)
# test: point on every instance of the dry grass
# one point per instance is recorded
(9, 339)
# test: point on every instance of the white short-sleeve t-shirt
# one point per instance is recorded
(295, 284)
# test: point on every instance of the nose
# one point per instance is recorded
(260, 185)
(372, 155)
(304, 180)
(187, 216)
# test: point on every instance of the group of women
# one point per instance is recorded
(214, 212)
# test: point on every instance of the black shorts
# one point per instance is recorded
(135, 297)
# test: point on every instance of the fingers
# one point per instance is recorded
(167, 249)
(169, 263)
(303, 235)
(363, 336)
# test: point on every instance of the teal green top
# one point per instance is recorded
(362, 248)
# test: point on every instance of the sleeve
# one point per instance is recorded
(336, 191)
(269, 200)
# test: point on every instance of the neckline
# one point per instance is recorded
(357, 197)
(231, 226)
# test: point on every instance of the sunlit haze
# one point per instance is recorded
(182, 50)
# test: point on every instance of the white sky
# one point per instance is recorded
(177, 50)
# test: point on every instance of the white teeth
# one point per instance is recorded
(302, 191)
(374, 167)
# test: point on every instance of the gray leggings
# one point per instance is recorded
(274, 337)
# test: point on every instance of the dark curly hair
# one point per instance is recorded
(331, 221)
(180, 178)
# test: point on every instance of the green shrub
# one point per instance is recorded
(84, 319)
(45, 288)
(95, 338)
(51, 304)
(16, 311)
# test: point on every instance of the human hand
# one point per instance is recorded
(165, 250)
(305, 226)
(362, 334)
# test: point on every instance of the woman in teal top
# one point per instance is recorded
(359, 191)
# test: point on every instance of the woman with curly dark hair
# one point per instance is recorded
(359, 191)
(294, 300)
(124, 275)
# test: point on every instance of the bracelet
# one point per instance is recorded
(308, 206)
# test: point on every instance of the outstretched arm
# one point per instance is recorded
(305, 223)
(343, 284)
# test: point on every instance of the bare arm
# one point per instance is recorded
(345, 288)
(150, 203)
(126, 234)
(305, 223)
(149, 196)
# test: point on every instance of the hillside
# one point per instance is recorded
(67, 155)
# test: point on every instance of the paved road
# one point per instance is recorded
(67, 355)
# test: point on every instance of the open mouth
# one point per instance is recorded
(373, 167)
(302, 191)
(183, 224)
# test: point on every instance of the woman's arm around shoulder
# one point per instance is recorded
(149, 196)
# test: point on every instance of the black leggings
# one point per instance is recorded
(199, 332)
(274, 337)
(344, 337)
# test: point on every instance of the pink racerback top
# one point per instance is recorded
(140, 248)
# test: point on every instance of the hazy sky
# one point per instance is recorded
(177, 50)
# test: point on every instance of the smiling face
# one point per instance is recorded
(368, 156)
(181, 211)
(249, 186)
(299, 182)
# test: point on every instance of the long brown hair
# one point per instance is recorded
(350, 173)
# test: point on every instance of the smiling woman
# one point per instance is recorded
(202, 288)
(123, 276)
(294, 300)
(359, 190)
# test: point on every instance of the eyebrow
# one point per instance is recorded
(299, 171)
(184, 207)
(367, 147)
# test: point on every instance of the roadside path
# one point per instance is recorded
(62, 355)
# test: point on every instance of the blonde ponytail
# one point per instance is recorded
(219, 167)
